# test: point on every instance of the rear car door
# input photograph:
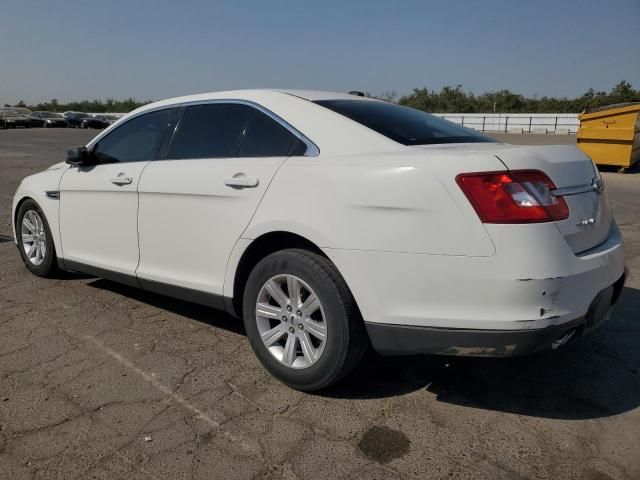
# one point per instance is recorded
(195, 203)
(99, 203)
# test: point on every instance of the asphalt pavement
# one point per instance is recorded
(103, 381)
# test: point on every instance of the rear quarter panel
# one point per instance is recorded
(399, 202)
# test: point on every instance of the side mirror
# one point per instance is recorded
(78, 156)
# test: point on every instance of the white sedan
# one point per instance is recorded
(330, 223)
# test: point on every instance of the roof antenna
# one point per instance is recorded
(356, 93)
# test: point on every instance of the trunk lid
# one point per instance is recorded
(577, 179)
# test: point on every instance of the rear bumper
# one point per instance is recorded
(548, 285)
(409, 340)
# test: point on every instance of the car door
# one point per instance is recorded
(99, 202)
(195, 203)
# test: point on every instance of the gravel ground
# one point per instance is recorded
(98, 380)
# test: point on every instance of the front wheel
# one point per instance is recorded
(35, 241)
(301, 320)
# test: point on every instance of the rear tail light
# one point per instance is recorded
(519, 196)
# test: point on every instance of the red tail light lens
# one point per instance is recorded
(519, 196)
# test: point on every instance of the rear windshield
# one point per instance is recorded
(403, 124)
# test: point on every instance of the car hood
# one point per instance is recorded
(57, 166)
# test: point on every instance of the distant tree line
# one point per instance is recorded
(447, 100)
(89, 106)
(455, 99)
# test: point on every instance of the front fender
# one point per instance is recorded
(41, 188)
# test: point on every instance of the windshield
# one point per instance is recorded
(403, 124)
(82, 115)
(9, 113)
(49, 115)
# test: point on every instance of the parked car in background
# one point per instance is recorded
(13, 119)
(84, 120)
(24, 111)
(47, 120)
(74, 119)
(93, 122)
(107, 118)
(331, 223)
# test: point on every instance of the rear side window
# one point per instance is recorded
(264, 137)
(211, 130)
(403, 124)
(134, 140)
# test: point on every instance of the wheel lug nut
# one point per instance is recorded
(284, 318)
(291, 330)
(300, 326)
(299, 313)
(289, 308)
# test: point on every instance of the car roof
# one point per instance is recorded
(315, 95)
(256, 95)
(330, 131)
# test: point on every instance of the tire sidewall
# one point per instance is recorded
(337, 343)
(47, 264)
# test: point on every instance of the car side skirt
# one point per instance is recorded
(207, 299)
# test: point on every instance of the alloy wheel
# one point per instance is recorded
(34, 238)
(291, 321)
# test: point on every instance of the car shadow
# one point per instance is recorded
(193, 311)
(596, 376)
(634, 169)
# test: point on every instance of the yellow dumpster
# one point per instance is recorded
(611, 135)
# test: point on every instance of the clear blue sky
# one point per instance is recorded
(73, 50)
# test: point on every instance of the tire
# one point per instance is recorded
(47, 266)
(345, 340)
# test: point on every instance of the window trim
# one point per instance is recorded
(312, 148)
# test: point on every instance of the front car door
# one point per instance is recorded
(99, 202)
(195, 203)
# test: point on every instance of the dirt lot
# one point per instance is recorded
(103, 381)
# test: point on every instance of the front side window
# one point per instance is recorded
(404, 125)
(208, 131)
(134, 140)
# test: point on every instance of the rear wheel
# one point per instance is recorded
(301, 319)
(35, 241)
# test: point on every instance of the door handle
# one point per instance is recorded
(240, 180)
(121, 179)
